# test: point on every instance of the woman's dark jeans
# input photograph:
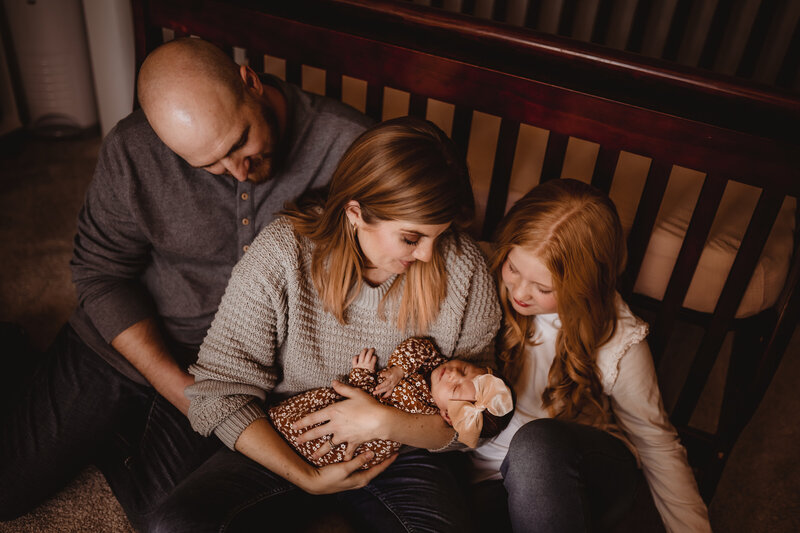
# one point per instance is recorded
(561, 477)
(76, 409)
(231, 493)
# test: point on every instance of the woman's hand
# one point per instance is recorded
(346, 475)
(355, 420)
(262, 443)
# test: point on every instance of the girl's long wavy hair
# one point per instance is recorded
(402, 169)
(574, 230)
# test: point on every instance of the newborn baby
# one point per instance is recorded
(419, 380)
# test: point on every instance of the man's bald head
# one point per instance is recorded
(187, 88)
(178, 70)
(213, 113)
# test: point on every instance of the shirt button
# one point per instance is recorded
(245, 221)
(245, 196)
(246, 247)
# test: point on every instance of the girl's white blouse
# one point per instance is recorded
(628, 377)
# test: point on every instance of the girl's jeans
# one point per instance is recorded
(561, 477)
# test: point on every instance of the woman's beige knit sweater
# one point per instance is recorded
(272, 335)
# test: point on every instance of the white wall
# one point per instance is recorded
(109, 26)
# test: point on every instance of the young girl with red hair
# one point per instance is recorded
(589, 412)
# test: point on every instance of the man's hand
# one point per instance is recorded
(391, 377)
(355, 420)
(366, 359)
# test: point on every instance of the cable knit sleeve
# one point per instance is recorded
(237, 364)
(481, 311)
(639, 411)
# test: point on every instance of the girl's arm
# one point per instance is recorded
(639, 411)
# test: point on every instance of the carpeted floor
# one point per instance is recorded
(41, 190)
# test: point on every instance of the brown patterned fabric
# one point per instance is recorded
(417, 357)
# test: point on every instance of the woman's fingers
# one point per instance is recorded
(313, 433)
(317, 417)
(345, 390)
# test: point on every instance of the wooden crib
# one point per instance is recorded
(521, 106)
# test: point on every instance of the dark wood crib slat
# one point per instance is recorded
(147, 36)
(685, 265)
(644, 221)
(738, 278)
(462, 124)
(554, 156)
(604, 168)
(501, 176)
(294, 72)
(418, 105)
(256, 61)
(333, 85)
(374, 101)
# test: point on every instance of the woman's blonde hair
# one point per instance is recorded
(402, 169)
(574, 230)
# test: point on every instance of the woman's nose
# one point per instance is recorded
(424, 251)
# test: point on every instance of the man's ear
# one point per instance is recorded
(251, 80)
(446, 417)
(353, 212)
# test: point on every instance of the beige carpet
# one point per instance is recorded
(41, 190)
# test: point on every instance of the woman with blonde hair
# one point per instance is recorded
(378, 258)
(588, 405)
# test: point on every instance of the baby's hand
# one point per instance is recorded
(366, 359)
(391, 377)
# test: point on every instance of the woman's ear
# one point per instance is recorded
(251, 80)
(353, 212)
(446, 417)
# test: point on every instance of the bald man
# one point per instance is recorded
(182, 186)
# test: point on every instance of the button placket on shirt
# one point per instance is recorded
(245, 214)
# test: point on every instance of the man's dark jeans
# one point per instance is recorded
(77, 409)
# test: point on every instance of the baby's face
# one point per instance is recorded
(453, 381)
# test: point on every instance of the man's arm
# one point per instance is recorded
(111, 252)
(143, 346)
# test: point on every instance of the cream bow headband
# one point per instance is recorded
(492, 394)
